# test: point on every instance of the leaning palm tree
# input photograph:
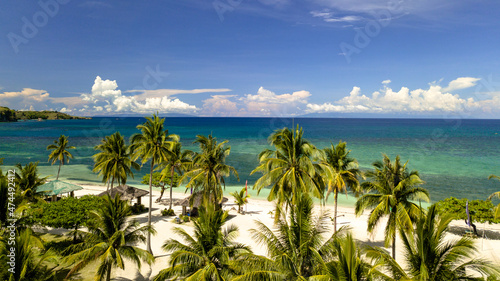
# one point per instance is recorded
(110, 239)
(289, 169)
(428, 255)
(340, 171)
(297, 250)
(393, 187)
(60, 152)
(209, 254)
(209, 169)
(240, 198)
(177, 160)
(31, 260)
(113, 161)
(495, 195)
(152, 144)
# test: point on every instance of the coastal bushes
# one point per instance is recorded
(480, 210)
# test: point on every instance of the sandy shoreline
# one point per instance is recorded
(259, 210)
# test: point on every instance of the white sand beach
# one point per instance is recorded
(259, 210)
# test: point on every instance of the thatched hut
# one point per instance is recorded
(195, 203)
(126, 192)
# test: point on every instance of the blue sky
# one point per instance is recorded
(252, 58)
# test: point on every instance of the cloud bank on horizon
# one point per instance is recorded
(106, 98)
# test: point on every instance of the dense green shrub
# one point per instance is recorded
(138, 209)
(480, 210)
(167, 213)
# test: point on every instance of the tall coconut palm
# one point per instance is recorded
(297, 250)
(393, 187)
(113, 161)
(209, 169)
(495, 195)
(110, 239)
(31, 260)
(209, 254)
(152, 144)
(178, 160)
(60, 152)
(428, 255)
(289, 169)
(340, 171)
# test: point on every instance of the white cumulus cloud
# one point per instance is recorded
(106, 96)
(25, 99)
(266, 102)
(435, 99)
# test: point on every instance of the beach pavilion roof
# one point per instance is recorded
(197, 200)
(126, 192)
(57, 187)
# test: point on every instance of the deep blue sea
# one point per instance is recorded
(454, 157)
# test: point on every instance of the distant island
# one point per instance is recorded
(11, 115)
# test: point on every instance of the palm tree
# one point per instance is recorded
(393, 187)
(288, 169)
(209, 169)
(340, 172)
(240, 198)
(429, 256)
(349, 263)
(109, 240)
(297, 250)
(209, 254)
(153, 144)
(495, 195)
(28, 180)
(31, 260)
(113, 161)
(60, 152)
(178, 160)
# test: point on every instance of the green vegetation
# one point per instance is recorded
(167, 212)
(110, 239)
(69, 213)
(210, 254)
(7, 114)
(176, 163)
(393, 187)
(289, 169)
(340, 172)
(479, 210)
(159, 180)
(152, 144)
(302, 245)
(60, 152)
(430, 257)
(240, 198)
(209, 169)
(113, 162)
(10, 115)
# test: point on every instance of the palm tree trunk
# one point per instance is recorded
(335, 212)
(58, 170)
(74, 236)
(108, 273)
(394, 247)
(171, 185)
(148, 238)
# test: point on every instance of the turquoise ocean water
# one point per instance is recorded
(454, 157)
